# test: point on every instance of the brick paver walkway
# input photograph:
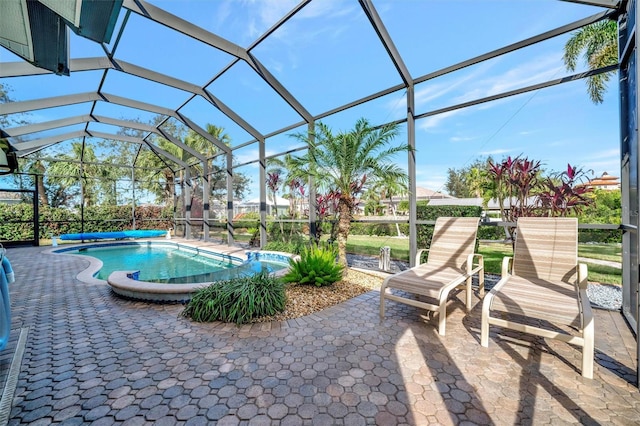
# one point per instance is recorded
(94, 358)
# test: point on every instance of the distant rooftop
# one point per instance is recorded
(606, 181)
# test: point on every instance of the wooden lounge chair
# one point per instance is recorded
(451, 263)
(544, 281)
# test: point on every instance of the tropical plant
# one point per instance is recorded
(565, 193)
(238, 300)
(317, 266)
(326, 206)
(606, 207)
(273, 183)
(294, 245)
(343, 163)
(150, 164)
(470, 181)
(388, 188)
(516, 182)
(286, 169)
(80, 167)
(598, 44)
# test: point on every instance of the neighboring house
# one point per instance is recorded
(253, 205)
(605, 182)
(10, 197)
(422, 194)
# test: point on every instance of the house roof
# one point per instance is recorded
(424, 194)
(604, 180)
(256, 201)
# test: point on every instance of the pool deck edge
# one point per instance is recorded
(122, 283)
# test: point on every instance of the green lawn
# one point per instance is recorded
(611, 252)
(493, 254)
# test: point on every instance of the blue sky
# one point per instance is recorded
(328, 55)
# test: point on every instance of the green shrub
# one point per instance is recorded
(490, 232)
(238, 300)
(317, 266)
(379, 229)
(600, 236)
(294, 245)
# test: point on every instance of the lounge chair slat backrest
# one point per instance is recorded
(546, 248)
(454, 239)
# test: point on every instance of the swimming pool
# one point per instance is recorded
(164, 271)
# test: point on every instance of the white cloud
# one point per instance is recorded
(434, 121)
(461, 139)
(246, 156)
(603, 161)
(486, 83)
(222, 14)
(610, 153)
(612, 167)
(268, 12)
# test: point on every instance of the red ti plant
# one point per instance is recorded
(565, 193)
(515, 181)
(326, 207)
(295, 185)
(273, 183)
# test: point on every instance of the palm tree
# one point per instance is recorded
(344, 161)
(389, 188)
(207, 149)
(72, 169)
(273, 183)
(598, 43)
(285, 168)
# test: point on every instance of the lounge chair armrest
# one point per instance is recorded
(507, 264)
(419, 255)
(583, 273)
(475, 263)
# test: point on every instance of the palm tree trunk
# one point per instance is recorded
(395, 216)
(344, 226)
(42, 190)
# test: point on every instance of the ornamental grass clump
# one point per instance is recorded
(317, 266)
(238, 300)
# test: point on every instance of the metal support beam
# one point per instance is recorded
(186, 193)
(52, 140)
(519, 45)
(15, 132)
(165, 18)
(206, 192)
(387, 41)
(230, 233)
(56, 101)
(48, 125)
(612, 4)
(222, 107)
(133, 198)
(162, 17)
(15, 69)
(202, 132)
(313, 195)
(263, 191)
(411, 162)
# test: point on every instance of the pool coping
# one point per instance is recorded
(122, 283)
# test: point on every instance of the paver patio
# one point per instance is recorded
(94, 358)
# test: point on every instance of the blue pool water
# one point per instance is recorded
(174, 264)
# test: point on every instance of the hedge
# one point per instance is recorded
(16, 220)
